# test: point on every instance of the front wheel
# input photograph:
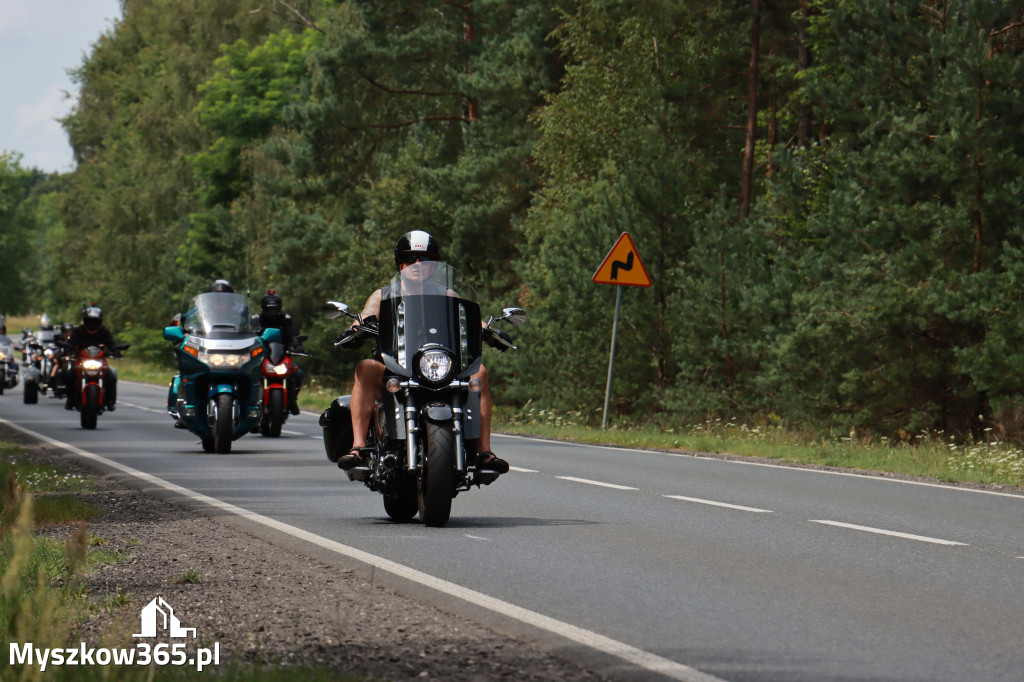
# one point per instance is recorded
(31, 393)
(437, 481)
(275, 413)
(224, 425)
(403, 505)
(90, 406)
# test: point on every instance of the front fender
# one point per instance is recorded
(438, 413)
(218, 388)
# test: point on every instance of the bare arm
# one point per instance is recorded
(371, 307)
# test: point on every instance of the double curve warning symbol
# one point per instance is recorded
(622, 265)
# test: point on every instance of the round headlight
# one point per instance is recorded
(435, 365)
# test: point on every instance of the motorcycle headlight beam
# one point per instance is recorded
(224, 360)
(92, 365)
(435, 366)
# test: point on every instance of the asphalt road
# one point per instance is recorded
(738, 571)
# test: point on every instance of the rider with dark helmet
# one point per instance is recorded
(216, 286)
(93, 332)
(59, 353)
(272, 316)
(414, 247)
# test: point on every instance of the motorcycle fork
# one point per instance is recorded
(460, 452)
(85, 385)
(411, 434)
(412, 431)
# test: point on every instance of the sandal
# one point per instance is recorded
(488, 461)
(353, 459)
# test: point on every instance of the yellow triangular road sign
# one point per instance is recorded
(622, 265)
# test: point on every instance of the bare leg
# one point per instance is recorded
(484, 444)
(366, 389)
(489, 462)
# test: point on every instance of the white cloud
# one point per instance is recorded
(39, 41)
(36, 124)
(42, 115)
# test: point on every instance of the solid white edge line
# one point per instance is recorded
(600, 483)
(607, 645)
(719, 504)
(893, 533)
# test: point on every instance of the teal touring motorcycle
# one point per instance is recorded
(218, 394)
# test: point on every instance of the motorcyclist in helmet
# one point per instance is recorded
(4, 339)
(216, 286)
(92, 332)
(272, 316)
(63, 334)
(46, 333)
(416, 247)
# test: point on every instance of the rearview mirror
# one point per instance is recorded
(516, 316)
(335, 309)
(174, 334)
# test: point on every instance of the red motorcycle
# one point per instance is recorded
(91, 367)
(278, 369)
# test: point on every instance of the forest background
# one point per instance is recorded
(827, 195)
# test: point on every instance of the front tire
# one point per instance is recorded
(224, 426)
(405, 504)
(275, 413)
(31, 393)
(437, 481)
(91, 406)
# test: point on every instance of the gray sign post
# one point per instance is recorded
(621, 267)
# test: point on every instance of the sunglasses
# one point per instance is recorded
(416, 258)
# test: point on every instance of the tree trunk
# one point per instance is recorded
(803, 58)
(746, 184)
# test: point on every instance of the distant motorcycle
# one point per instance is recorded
(34, 362)
(89, 388)
(422, 448)
(9, 372)
(219, 393)
(278, 369)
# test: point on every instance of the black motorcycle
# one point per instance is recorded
(9, 372)
(36, 365)
(422, 442)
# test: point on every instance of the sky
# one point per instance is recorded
(40, 40)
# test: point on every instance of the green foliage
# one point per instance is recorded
(26, 224)
(873, 282)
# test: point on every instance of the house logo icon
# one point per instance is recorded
(158, 615)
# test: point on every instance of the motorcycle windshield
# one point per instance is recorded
(429, 304)
(219, 313)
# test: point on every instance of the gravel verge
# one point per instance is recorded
(270, 605)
